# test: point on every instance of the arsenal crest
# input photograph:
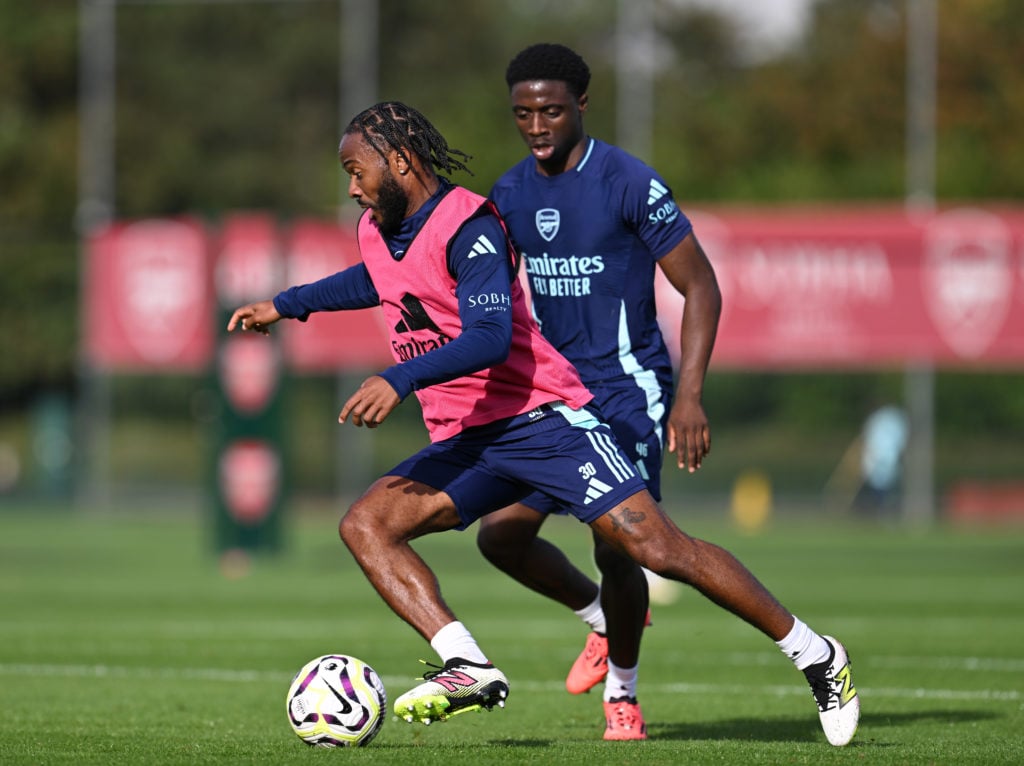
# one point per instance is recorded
(547, 223)
(968, 278)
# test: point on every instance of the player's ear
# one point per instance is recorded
(581, 103)
(400, 163)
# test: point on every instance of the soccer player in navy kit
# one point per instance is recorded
(591, 222)
(506, 413)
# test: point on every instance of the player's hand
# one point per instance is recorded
(373, 402)
(689, 436)
(256, 317)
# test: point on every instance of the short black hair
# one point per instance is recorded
(549, 61)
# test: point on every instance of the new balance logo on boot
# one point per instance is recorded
(459, 687)
(836, 696)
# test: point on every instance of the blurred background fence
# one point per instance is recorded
(852, 166)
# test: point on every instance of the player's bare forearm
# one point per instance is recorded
(688, 270)
(688, 432)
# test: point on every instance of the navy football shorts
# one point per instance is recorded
(637, 418)
(568, 455)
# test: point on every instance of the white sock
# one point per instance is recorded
(593, 615)
(454, 640)
(803, 646)
(621, 682)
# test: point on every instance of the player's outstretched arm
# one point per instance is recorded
(256, 316)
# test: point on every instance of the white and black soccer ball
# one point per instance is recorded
(336, 701)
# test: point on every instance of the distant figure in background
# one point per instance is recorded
(884, 441)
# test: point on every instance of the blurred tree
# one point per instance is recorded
(38, 141)
(225, 106)
(468, 46)
(38, 129)
(981, 100)
(805, 125)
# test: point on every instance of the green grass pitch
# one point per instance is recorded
(121, 642)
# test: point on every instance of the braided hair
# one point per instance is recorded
(549, 61)
(391, 125)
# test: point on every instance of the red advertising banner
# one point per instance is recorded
(250, 266)
(249, 371)
(812, 288)
(250, 486)
(147, 297)
(330, 341)
(803, 288)
(249, 479)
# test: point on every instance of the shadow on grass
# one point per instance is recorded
(878, 719)
(801, 729)
(503, 742)
(743, 729)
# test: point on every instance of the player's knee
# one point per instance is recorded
(654, 559)
(504, 539)
(357, 528)
(488, 541)
(611, 562)
(347, 529)
(506, 553)
(675, 562)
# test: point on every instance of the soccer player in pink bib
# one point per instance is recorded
(506, 413)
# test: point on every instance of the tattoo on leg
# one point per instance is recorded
(626, 518)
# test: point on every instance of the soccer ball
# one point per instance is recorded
(336, 701)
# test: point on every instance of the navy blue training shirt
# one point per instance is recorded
(589, 239)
